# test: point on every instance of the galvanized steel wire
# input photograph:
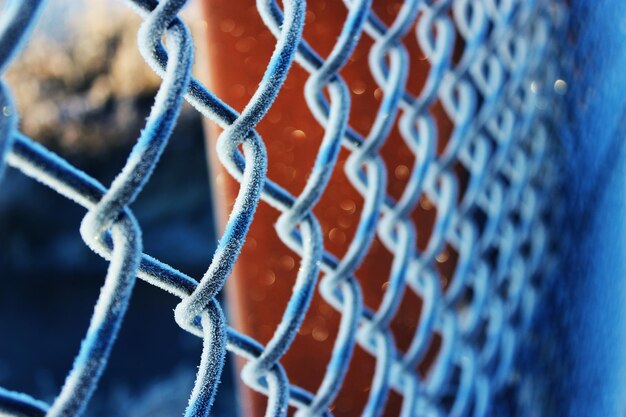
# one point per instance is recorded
(498, 98)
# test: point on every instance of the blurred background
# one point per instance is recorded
(585, 315)
(84, 91)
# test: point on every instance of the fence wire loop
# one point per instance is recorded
(497, 223)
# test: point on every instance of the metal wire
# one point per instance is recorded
(498, 96)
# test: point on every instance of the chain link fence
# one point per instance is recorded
(499, 95)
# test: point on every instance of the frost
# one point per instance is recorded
(478, 358)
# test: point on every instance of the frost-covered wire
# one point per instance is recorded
(496, 223)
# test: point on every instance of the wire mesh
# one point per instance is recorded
(499, 97)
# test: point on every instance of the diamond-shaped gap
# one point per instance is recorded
(515, 217)
(450, 390)
(505, 180)
(393, 407)
(536, 278)
(400, 161)
(365, 94)
(323, 24)
(444, 126)
(491, 141)
(291, 136)
(355, 390)
(525, 248)
(459, 45)
(463, 178)
(339, 210)
(317, 334)
(504, 288)
(446, 262)
(480, 338)
(376, 267)
(515, 319)
(491, 256)
(464, 303)
(430, 356)
(479, 218)
(406, 319)
(387, 10)
(423, 216)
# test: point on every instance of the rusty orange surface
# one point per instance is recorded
(234, 55)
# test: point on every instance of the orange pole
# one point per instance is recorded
(237, 48)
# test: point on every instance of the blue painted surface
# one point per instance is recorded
(592, 309)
